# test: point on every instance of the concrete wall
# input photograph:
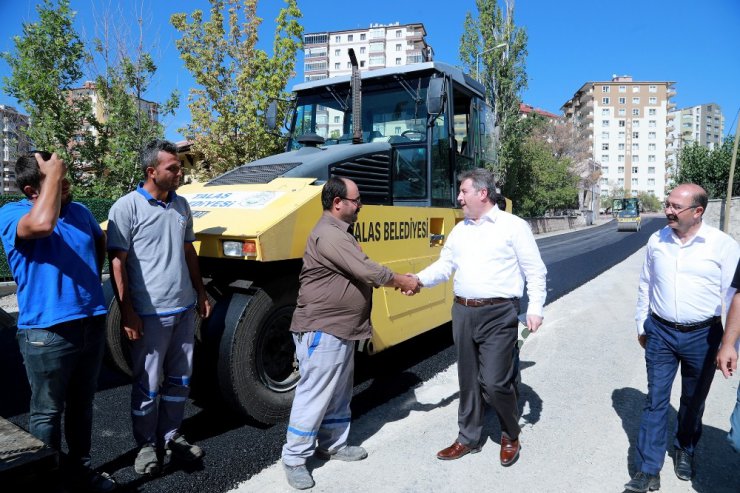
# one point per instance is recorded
(558, 223)
(715, 215)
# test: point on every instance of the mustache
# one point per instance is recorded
(671, 217)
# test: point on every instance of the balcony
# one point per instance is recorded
(414, 35)
(414, 59)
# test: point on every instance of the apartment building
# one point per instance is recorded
(627, 123)
(379, 46)
(13, 142)
(704, 124)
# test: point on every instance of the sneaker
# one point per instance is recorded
(348, 453)
(99, 482)
(182, 450)
(298, 476)
(146, 460)
(643, 482)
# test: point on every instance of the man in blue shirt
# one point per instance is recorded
(55, 250)
(156, 278)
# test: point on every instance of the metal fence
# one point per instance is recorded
(99, 207)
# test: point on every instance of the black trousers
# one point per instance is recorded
(487, 367)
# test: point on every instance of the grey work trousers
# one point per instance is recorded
(487, 368)
(162, 363)
(320, 411)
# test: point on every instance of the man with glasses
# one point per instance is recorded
(332, 313)
(684, 282)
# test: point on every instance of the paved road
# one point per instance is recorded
(237, 450)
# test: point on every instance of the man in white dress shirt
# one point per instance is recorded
(684, 282)
(492, 253)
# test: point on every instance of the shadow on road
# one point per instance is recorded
(714, 461)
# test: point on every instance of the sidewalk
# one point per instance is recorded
(583, 388)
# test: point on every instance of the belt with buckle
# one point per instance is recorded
(482, 301)
(686, 327)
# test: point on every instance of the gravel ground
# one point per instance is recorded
(583, 388)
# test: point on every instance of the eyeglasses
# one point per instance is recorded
(678, 209)
(357, 201)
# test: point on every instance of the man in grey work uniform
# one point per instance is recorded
(157, 282)
(333, 311)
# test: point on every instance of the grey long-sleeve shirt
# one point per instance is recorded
(337, 281)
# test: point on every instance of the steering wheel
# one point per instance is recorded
(406, 134)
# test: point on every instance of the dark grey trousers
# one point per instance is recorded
(487, 367)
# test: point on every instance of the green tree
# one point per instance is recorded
(500, 46)
(650, 202)
(551, 183)
(709, 168)
(46, 64)
(235, 79)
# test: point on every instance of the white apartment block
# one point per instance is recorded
(627, 123)
(13, 142)
(380, 46)
(704, 124)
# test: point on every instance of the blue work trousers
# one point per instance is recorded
(62, 364)
(665, 350)
(162, 363)
(320, 412)
(734, 435)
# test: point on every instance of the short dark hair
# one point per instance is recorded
(334, 187)
(700, 199)
(482, 180)
(150, 153)
(27, 171)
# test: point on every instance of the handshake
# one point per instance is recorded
(408, 283)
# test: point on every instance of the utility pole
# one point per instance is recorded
(728, 198)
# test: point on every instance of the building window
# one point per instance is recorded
(362, 63)
(651, 147)
(635, 111)
(605, 112)
(651, 182)
(620, 146)
(604, 88)
(651, 135)
(621, 135)
(652, 100)
(635, 159)
(605, 182)
(635, 88)
(635, 123)
(651, 170)
(620, 170)
(622, 100)
(651, 158)
(605, 146)
(620, 159)
(635, 135)
(397, 130)
(622, 88)
(362, 50)
(634, 170)
(622, 112)
(604, 159)
(362, 37)
(398, 61)
(651, 112)
(336, 66)
(634, 182)
(337, 52)
(620, 182)
(621, 123)
(636, 100)
(653, 88)
(604, 123)
(349, 64)
(604, 100)
(604, 135)
(398, 47)
(337, 39)
(336, 119)
(350, 37)
(635, 147)
(605, 169)
(398, 33)
(652, 123)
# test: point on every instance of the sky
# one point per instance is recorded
(694, 43)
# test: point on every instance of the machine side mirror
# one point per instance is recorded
(436, 95)
(271, 115)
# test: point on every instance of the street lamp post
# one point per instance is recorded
(493, 91)
(477, 58)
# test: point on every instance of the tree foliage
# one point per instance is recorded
(500, 46)
(47, 62)
(709, 168)
(236, 80)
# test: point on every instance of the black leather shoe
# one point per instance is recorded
(643, 482)
(683, 464)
